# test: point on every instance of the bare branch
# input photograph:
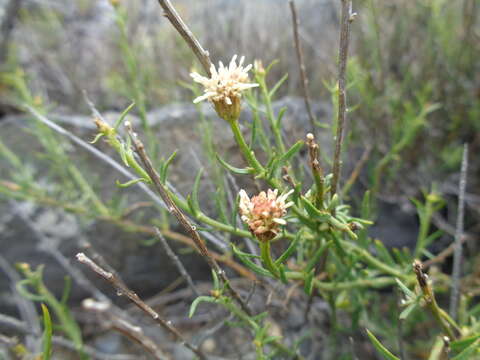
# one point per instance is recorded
(124, 290)
(134, 333)
(182, 219)
(347, 17)
(301, 63)
(171, 14)
(458, 249)
(186, 276)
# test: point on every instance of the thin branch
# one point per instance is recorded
(356, 171)
(301, 63)
(134, 333)
(186, 276)
(458, 249)
(182, 219)
(123, 289)
(347, 17)
(171, 14)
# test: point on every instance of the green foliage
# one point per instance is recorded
(33, 288)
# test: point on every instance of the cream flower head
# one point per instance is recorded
(264, 213)
(224, 87)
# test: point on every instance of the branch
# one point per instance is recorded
(301, 63)
(123, 289)
(134, 333)
(182, 219)
(347, 17)
(171, 14)
(458, 249)
(186, 276)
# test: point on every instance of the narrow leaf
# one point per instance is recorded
(199, 300)
(380, 348)
(234, 169)
(47, 334)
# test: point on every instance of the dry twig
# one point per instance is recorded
(171, 14)
(458, 249)
(182, 219)
(186, 276)
(134, 333)
(123, 289)
(347, 17)
(301, 63)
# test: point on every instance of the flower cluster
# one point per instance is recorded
(264, 213)
(223, 89)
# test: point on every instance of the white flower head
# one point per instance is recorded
(264, 212)
(224, 88)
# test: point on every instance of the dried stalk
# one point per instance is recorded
(134, 333)
(185, 275)
(446, 323)
(317, 171)
(171, 14)
(458, 249)
(182, 219)
(347, 17)
(124, 290)
(301, 63)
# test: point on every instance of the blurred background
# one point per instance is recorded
(413, 97)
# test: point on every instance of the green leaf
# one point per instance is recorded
(250, 264)
(286, 157)
(280, 116)
(308, 285)
(234, 169)
(462, 344)
(277, 86)
(97, 137)
(407, 311)
(123, 115)
(199, 300)
(290, 249)
(314, 260)
(216, 282)
(383, 253)
(165, 166)
(380, 348)
(47, 334)
(194, 204)
(129, 183)
(468, 352)
(408, 293)
(66, 290)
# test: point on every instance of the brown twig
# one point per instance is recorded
(171, 14)
(134, 333)
(124, 290)
(182, 219)
(347, 17)
(317, 171)
(356, 171)
(301, 64)
(458, 249)
(186, 276)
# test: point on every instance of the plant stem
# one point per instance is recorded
(247, 153)
(267, 258)
(347, 18)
